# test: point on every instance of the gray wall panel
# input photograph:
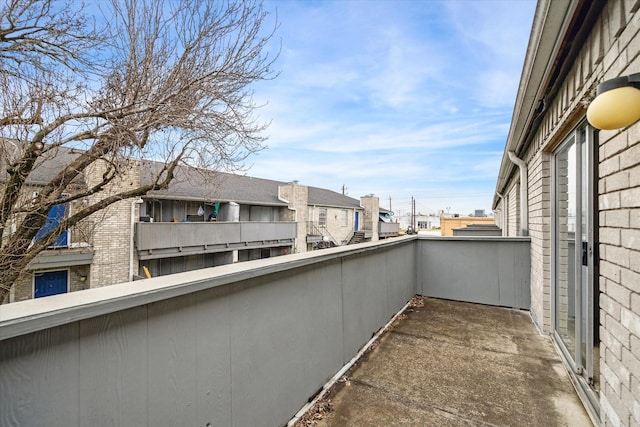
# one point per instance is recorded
(490, 270)
(213, 361)
(365, 299)
(291, 328)
(116, 343)
(39, 378)
(172, 331)
(400, 275)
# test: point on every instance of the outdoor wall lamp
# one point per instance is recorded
(617, 103)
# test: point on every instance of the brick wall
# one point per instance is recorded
(619, 205)
(513, 209)
(112, 233)
(539, 196)
(23, 288)
(297, 196)
(370, 216)
(334, 225)
(619, 216)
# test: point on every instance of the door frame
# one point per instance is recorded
(586, 305)
(33, 281)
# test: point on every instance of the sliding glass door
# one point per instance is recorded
(575, 299)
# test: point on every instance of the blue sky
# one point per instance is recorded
(396, 98)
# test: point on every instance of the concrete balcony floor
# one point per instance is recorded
(445, 363)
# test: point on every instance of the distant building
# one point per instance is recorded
(422, 221)
(449, 222)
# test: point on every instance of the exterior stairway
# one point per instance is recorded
(357, 237)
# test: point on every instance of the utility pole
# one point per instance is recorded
(344, 190)
(390, 210)
(413, 212)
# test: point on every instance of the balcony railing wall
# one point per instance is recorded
(162, 239)
(236, 345)
(486, 270)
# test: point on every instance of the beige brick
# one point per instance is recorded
(634, 131)
(618, 218)
(627, 398)
(609, 166)
(612, 379)
(615, 255)
(631, 362)
(635, 302)
(610, 342)
(602, 186)
(609, 201)
(635, 344)
(634, 219)
(617, 331)
(634, 176)
(609, 416)
(610, 236)
(630, 279)
(635, 409)
(614, 146)
(619, 293)
(630, 198)
(610, 271)
(635, 388)
(630, 320)
(617, 181)
(630, 239)
(610, 306)
(630, 157)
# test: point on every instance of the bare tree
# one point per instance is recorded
(129, 80)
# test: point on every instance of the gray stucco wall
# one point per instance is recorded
(486, 270)
(239, 345)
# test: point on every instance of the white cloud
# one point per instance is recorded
(394, 98)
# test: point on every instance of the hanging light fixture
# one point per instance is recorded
(617, 103)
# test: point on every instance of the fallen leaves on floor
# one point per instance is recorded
(416, 302)
(315, 414)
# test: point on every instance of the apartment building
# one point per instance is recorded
(203, 219)
(575, 190)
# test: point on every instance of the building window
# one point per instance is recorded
(56, 214)
(344, 218)
(322, 217)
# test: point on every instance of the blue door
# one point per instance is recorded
(54, 217)
(356, 226)
(50, 283)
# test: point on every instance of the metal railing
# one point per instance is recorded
(318, 232)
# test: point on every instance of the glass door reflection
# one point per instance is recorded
(566, 203)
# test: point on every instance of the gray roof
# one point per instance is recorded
(201, 184)
(189, 183)
(47, 166)
(324, 197)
